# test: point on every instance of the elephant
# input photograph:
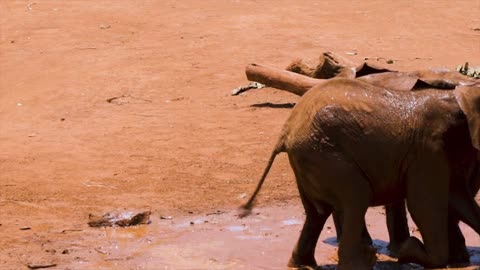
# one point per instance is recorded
(352, 145)
(331, 66)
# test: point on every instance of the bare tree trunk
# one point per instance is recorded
(281, 79)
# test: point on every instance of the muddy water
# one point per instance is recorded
(222, 241)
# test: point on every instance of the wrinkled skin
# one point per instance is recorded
(352, 145)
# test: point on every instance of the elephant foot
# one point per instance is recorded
(365, 260)
(304, 268)
(413, 251)
(459, 258)
(296, 262)
(410, 251)
(394, 249)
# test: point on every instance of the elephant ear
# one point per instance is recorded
(468, 97)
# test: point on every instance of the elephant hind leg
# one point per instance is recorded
(327, 180)
(429, 211)
(353, 252)
(303, 254)
(338, 221)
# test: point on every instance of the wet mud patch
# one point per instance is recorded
(220, 240)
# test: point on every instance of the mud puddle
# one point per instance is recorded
(221, 240)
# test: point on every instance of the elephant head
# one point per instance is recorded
(468, 98)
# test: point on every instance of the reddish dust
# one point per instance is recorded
(126, 105)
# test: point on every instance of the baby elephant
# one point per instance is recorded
(353, 145)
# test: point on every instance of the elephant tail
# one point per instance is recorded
(246, 209)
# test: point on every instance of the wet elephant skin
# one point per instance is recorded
(352, 145)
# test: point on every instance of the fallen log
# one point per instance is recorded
(299, 84)
(281, 79)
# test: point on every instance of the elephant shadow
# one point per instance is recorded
(380, 245)
(382, 249)
(378, 266)
(474, 255)
(287, 105)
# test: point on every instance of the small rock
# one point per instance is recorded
(65, 251)
(241, 89)
(390, 61)
(177, 99)
(166, 217)
(30, 6)
(104, 26)
(25, 228)
(39, 266)
(99, 250)
(119, 219)
(218, 212)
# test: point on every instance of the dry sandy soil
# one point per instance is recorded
(126, 106)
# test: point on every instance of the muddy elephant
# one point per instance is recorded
(299, 78)
(353, 145)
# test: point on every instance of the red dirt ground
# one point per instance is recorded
(173, 141)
